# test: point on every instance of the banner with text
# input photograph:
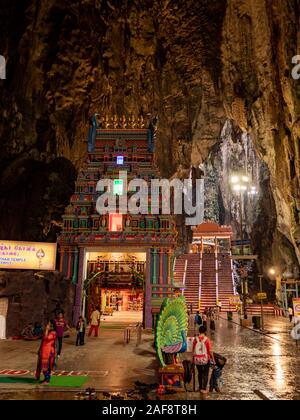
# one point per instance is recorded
(27, 255)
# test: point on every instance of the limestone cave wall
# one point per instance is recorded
(33, 297)
(194, 64)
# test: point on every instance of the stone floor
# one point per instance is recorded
(259, 366)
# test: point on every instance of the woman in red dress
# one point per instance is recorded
(46, 354)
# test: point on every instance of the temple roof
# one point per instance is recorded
(211, 229)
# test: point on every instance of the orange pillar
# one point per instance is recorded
(161, 271)
(62, 253)
(169, 267)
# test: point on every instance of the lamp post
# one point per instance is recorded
(261, 303)
(240, 185)
(275, 274)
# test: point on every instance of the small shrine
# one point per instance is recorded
(117, 261)
(209, 237)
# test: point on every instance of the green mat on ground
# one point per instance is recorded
(68, 381)
(63, 381)
(17, 380)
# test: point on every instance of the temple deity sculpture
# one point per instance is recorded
(115, 121)
(123, 121)
(106, 122)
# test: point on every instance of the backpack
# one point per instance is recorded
(200, 352)
(198, 319)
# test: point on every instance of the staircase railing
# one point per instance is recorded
(184, 276)
(200, 282)
(217, 276)
(233, 283)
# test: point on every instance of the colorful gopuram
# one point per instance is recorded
(115, 145)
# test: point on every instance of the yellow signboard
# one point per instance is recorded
(296, 304)
(234, 300)
(27, 255)
(261, 296)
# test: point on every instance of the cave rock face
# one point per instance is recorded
(194, 64)
(32, 297)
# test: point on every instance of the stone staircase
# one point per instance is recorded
(208, 281)
(187, 272)
(179, 268)
(225, 281)
(191, 291)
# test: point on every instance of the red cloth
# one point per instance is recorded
(60, 325)
(95, 329)
(207, 344)
(46, 354)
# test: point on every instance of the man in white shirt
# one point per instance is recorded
(95, 322)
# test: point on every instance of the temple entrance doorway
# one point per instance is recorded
(116, 284)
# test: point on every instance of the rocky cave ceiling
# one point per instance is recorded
(216, 73)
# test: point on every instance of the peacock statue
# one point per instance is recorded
(171, 329)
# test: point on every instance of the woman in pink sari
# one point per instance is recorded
(46, 354)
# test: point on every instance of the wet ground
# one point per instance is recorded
(259, 366)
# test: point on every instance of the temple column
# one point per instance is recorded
(148, 291)
(169, 267)
(62, 254)
(69, 263)
(161, 279)
(154, 275)
(75, 267)
(78, 288)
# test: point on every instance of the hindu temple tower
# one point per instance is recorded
(117, 261)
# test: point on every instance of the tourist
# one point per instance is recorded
(80, 328)
(204, 320)
(60, 326)
(291, 313)
(217, 373)
(202, 357)
(212, 324)
(218, 310)
(198, 319)
(95, 322)
(46, 353)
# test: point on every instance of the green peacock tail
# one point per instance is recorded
(172, 320)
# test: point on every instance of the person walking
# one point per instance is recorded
(60, 326)
(46, 354)
(218, 310)
(197, 321)
(203, 357)
(212, 324)
(80, 328)
(217, 373)
(95, 322)
(204, 320)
